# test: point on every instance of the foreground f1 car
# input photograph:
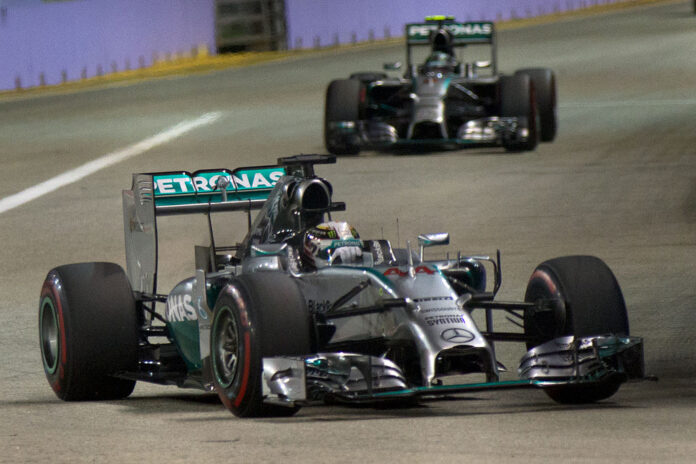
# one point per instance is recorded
(304, 310)
(443, 102)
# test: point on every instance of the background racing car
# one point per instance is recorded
(304, 309)
(443, 102)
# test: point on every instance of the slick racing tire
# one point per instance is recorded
(586, 300)
(343, 102)
(367, 77)
(257, 315)
(518, 100)
(544, 81)
(88, 331)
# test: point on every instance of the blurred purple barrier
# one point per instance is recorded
(312, 23)
(45, 42)
(48, 42)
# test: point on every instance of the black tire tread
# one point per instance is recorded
(342, 104)
(100, 331)
(281, 324)
(517, 100)
(577, 274)
(545, 89)
(586, 284)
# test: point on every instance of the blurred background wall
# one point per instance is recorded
(46, 42)
(312, 23)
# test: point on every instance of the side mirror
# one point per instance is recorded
(395, 66)
(429, 240)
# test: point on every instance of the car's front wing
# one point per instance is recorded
(354, 378)
(487, 131)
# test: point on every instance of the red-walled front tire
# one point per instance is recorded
(257, 315)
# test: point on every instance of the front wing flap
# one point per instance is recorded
(354, 378)
(487, 131)
(584, 359)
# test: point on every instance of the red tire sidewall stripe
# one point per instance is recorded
(547, 279)
(245, 374)
(246, 327)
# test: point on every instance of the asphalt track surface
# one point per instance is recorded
(619, 183)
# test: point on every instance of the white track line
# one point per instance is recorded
(105, 161)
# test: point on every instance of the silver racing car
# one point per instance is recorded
(443, 102)
(304, 309)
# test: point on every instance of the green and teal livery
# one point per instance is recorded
(215, 185)
(462, 33)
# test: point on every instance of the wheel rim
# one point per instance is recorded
(49, 330)
(226, 351)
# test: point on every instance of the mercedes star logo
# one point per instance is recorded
(457, 335)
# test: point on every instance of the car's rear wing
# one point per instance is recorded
(469, 33)
(213, 189)
(463, 34)
(181, 192)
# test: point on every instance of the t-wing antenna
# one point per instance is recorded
(303, 165)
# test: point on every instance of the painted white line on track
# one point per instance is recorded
(627, 103)
(105, 161)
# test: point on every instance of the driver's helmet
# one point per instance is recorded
(333, 243)
(440, 62)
